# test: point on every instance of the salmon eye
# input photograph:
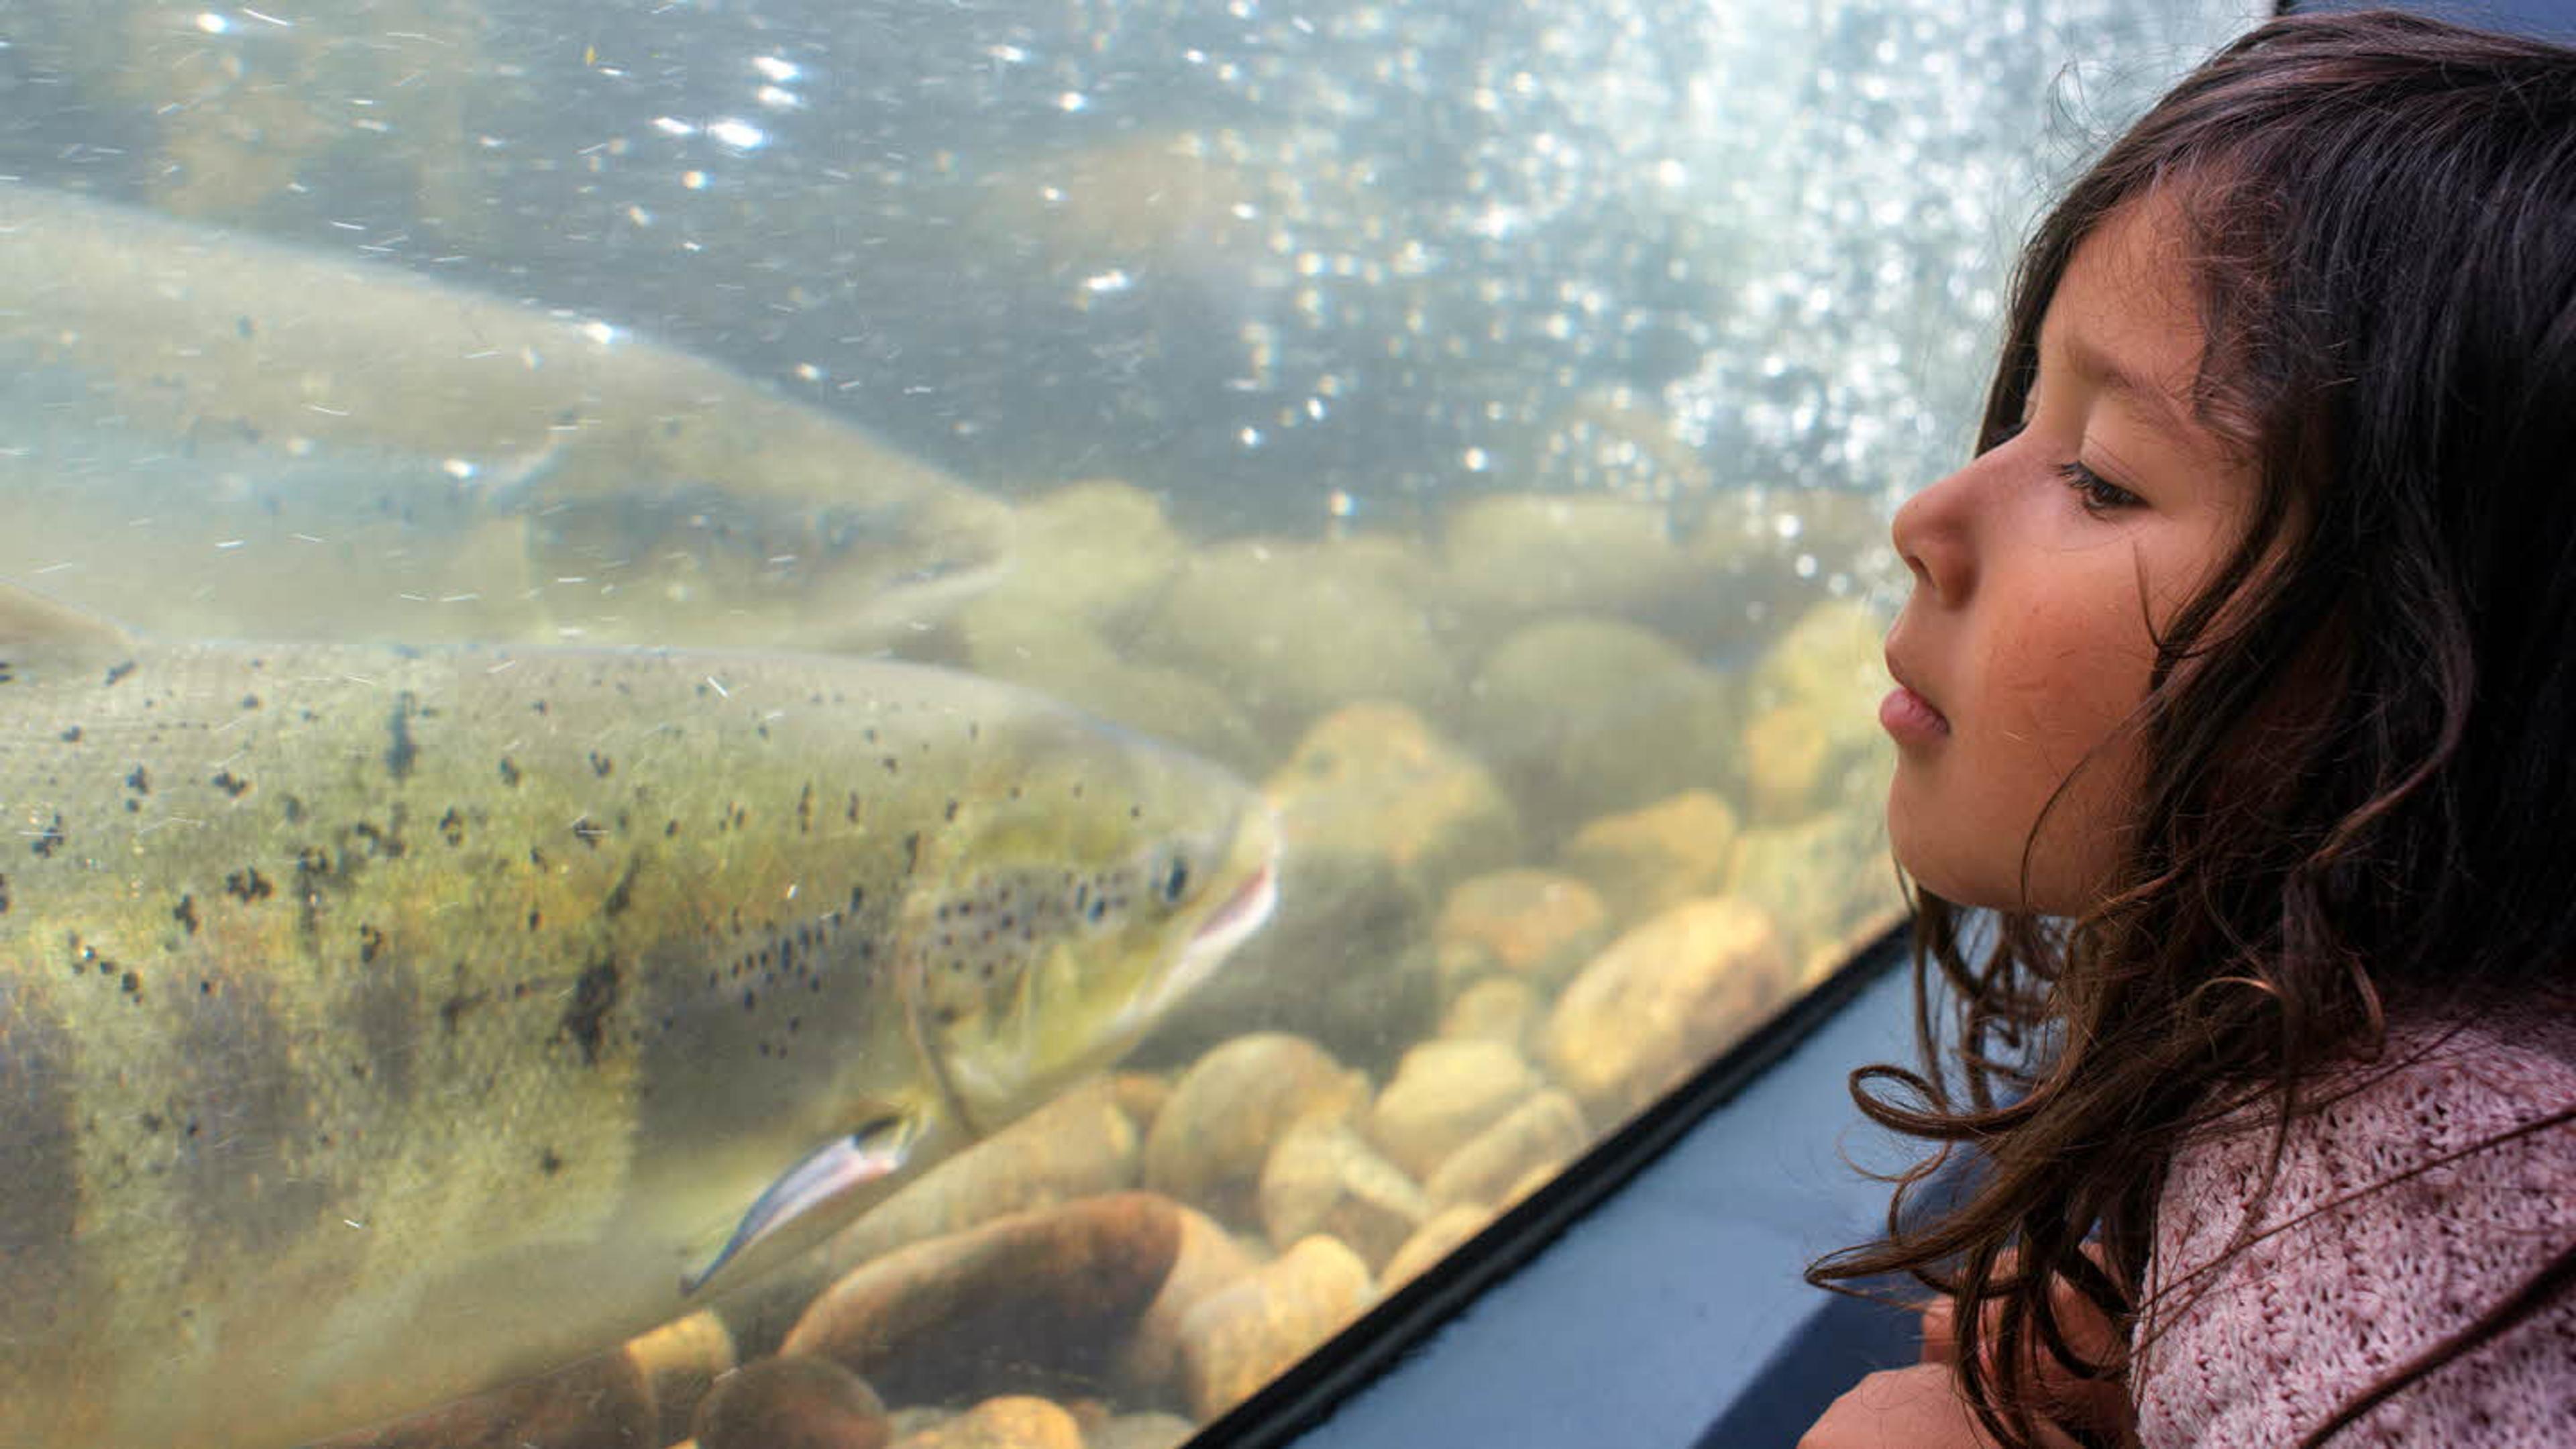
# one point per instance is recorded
(1176, 880)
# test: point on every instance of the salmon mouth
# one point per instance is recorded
(1228, 926)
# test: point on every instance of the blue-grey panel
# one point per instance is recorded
(2555, 19)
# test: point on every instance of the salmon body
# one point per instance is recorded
(378, 1026)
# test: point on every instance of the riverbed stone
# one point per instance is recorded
(1533, 925)
(1293, 630)
(1585, 716)
(793, 1402)
(1644, 860)
(1082, 1144)
(1150, 1430)
(1445, 1232)
(1510, 557)
(1070, 657)
(1210, 1258)
(1322, 1177)
(1828, 880)
(680, 1362)
(1502, 1009)
(1009, 1421)
(1662, 1000)
(1545, 1131)
(1811, 740)
(1444, 1093)
(1245, 1335)
(1033, 1302)
(1213, 1137)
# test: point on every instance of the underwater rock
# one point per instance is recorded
(1446, 1232)
(1513, 557)
(1766, 555)
(1444, 1093)
(1241, 1337)
(1210, 1258)
(1141, 1431)
(680, 1362)
(1829, 881)
(1211, 1140)
(1036, 1301)
(1585, 717)
(1081, 1145)
(1812, 742)
(1662, 1000)
(793, 1402)
(1010, 1421)
(1323, 1178)
(1067, 657)
(1496, 1008)
(1658, 856)
(1544, 1132)
(1534, 925)
(1292, 630)
(601, 1402)
(1098, 550)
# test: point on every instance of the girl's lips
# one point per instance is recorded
(1910, 717)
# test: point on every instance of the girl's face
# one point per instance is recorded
(2042, 572)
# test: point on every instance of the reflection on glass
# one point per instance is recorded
(1469, 427)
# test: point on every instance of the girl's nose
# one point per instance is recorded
(1931, 534)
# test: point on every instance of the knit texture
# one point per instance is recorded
(2316, 1313)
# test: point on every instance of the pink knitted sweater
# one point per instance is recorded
(2316, 1313)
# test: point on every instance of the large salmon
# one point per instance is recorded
(381, 1025)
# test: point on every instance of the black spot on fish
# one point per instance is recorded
(453, 1009)
(401, 753)
(49, 839)
(383, 842)
(139, 780)
(293, 809)
(594, 995)
(509, 772)
(71, 735)
(451, 826)
(242, 327)
(250, 701)
(601, 765)
(371, 943)
(248, 885)
(116, 672)
(185, 913)
(588, 831)
(550, 1162)
(951, 813)
(7, 674)
(130, 984)
(230, 783)
(622, 894)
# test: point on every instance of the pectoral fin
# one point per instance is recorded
(838, 1168)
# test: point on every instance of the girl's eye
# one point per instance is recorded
(2096, 493)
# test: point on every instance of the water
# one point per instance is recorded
(1475, 422)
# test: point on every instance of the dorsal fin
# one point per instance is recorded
(38, 633)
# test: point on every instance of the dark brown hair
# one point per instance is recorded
(2360, 739)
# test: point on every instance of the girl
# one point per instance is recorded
(2238, 690)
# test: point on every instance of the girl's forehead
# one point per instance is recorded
(2126, 314)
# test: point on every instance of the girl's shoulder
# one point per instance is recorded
(2427, 1187)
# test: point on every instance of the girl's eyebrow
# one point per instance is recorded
(2106, 373)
